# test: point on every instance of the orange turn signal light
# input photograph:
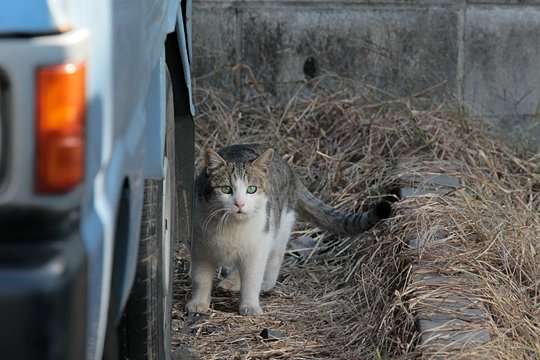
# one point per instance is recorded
(60, 130)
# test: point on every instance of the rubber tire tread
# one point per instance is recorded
(145, 333)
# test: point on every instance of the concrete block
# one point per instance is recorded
(429, 184)
(452, 307)
(324, 3)
(500, 53)
(215, 46)
(442, 180)
(396, 48)
(408, 191)
(519, 129)
(485, 50)
(446, 316)
(449, 332)
(503, 2)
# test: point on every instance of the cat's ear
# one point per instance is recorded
(264, 160)
(213, 161)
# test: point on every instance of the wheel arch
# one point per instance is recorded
(122, 262)
(184, 125)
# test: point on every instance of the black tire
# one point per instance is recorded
(146, 324)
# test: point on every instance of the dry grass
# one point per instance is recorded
(355, 298)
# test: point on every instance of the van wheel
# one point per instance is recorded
(147, 318)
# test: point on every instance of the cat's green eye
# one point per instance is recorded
(226, 190)
(251, 189)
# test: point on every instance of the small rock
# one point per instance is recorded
(207, 330)
(182, 353)
(176, 324)
(196, 318)
(270, 334)
(303, 245)
(186, 330)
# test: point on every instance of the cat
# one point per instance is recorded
(246, 200)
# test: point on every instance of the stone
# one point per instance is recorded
(408, 191)
(207, 330)
(186, 330)
(196, 318)
(176, 324)
(450, 332)
(303, 245)
(182, 353)
(272, 335)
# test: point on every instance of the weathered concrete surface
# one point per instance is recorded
(487, 53)
(215, 51)
(501, 56)
(398, 50)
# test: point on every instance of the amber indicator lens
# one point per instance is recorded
(60, 141)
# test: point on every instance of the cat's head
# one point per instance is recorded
(237, 188)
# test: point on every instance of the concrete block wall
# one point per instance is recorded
(487, 52)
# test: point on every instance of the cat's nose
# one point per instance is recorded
(239, 204)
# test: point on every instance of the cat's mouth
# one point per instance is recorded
(240, 212)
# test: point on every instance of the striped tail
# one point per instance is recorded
(339, 222)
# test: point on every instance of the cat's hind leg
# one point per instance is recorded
(273, 265)
(231, 280)
(202, 274)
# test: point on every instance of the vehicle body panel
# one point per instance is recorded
(122, 44)
(33, 17)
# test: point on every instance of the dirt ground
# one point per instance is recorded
(354, 298)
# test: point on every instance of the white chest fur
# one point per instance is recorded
(235, 238)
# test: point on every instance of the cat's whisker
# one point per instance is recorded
(221, 227)
(213, 213)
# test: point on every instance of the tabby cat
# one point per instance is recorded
(246, 202)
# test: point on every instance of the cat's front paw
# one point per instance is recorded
(196, 307)
(250, 309)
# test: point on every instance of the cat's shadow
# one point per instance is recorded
(227, 300)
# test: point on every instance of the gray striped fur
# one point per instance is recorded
(287, 191)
